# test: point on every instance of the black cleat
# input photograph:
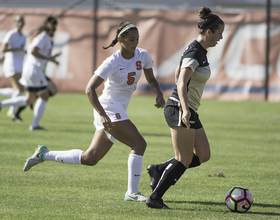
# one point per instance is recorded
(154, 176)
(156, 204)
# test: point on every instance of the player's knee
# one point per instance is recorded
(143, 145)
(88, 160)
(184, 159)
(21, 88)
(91, 163)
(205, 157)
(30, 100)
(140, 146)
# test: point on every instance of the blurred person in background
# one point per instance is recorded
(38, 86)
(189, 140)
(13, 46)
(121, 72)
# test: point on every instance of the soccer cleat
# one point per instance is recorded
(16, 118)
(38, 128)
(156, 204)
(9, 115)
(36, 158)
(154, 176)
(137, 196)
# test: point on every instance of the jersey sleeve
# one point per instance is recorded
(104, 70)
(39, 41)
(190, 62)
(192, 59)
(149, 63)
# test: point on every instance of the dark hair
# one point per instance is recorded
(121, 26)
(51, 20)
(45, 27)
(208, 20)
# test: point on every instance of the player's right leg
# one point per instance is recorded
(15, 82)
(176, 168)
(99, 147)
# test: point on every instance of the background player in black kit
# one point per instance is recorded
(189, 140)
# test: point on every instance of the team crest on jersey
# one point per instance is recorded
(138, 65)
(118, 116)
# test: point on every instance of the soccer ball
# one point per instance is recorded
(239, 199)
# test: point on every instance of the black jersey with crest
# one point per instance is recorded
(195, 58)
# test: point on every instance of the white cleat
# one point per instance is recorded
(137, 196)
(36, 158)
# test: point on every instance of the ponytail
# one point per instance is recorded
(121, 31)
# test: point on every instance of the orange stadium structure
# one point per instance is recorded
(238, 62)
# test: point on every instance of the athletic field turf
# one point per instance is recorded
(245, 146)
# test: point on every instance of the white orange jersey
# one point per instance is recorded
(44, 42)
(122, 74)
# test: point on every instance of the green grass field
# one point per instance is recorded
(244, 139)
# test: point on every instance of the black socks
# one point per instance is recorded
(170, 176)
(19, 110)
(195, 163)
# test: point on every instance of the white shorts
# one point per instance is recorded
(10, 68)
(33, 76)
(115, 111)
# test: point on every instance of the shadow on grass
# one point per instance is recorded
(223, 204)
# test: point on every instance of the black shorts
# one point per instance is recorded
(173, 115)
(37, 89)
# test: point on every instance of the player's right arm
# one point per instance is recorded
(184, 77)
(94, 82)
(35, 52)
(5, 48)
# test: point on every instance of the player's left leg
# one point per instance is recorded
(52, 90)
(99, 146)
(126, 132)
(201, 148)
(201, 154)
(183, 143)
(8, 92)
(17, 91)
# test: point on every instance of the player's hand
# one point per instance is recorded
(52, 59)
(160, 102)
(186, 118)
(105, 120)
(57, 54)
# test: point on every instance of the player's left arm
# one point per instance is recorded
(153, 83)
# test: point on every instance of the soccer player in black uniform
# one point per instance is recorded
(189, 140)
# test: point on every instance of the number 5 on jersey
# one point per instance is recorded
(130, 76)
